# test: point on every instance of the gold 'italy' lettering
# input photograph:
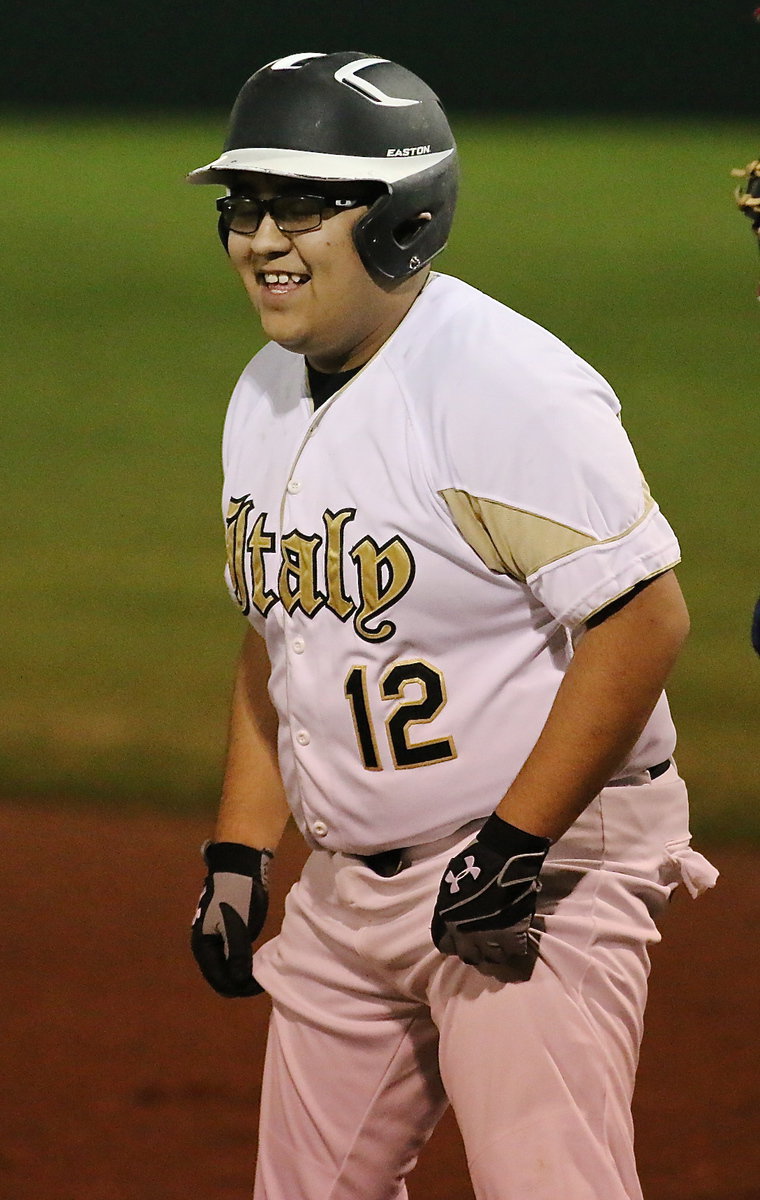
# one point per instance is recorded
(384, 573)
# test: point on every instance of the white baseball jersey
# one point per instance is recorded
(419, 553)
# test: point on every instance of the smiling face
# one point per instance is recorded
(311, 290)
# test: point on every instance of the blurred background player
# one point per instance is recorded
(463, 612)
(748, 198)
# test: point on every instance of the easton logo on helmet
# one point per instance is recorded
(407, 152)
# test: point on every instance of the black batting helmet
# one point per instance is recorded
(352, 117)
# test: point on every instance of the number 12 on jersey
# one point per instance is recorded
(404, 714)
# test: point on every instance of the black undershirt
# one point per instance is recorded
(616, 605)
(323, 386)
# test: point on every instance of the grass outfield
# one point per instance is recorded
(125, 332)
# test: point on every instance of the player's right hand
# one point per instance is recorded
(231, 914)
(487, 898)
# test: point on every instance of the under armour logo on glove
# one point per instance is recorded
(487, 898)
(469, 869)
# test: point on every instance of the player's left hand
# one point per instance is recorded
(487, 897)
(231, 914)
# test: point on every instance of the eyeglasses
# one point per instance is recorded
(291, 214)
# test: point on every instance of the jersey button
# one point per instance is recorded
(299, 645)
(319, 829)
(294, 485)
(302, 737)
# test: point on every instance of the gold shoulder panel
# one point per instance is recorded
(514, 542)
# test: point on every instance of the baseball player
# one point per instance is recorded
(462, 612)
(747, 196)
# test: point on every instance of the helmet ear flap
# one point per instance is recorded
(408, 225)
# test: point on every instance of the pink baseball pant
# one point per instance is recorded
(374, 1032)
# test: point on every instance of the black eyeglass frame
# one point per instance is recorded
(269, 207)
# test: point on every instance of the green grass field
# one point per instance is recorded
(125, 332)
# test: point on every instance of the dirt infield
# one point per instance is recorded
(125, 1078)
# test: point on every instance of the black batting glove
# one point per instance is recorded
(231, 914)
(487, 897)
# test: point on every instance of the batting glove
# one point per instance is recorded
(231, 914)
(487, 897)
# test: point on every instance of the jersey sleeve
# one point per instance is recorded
(547, 490)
